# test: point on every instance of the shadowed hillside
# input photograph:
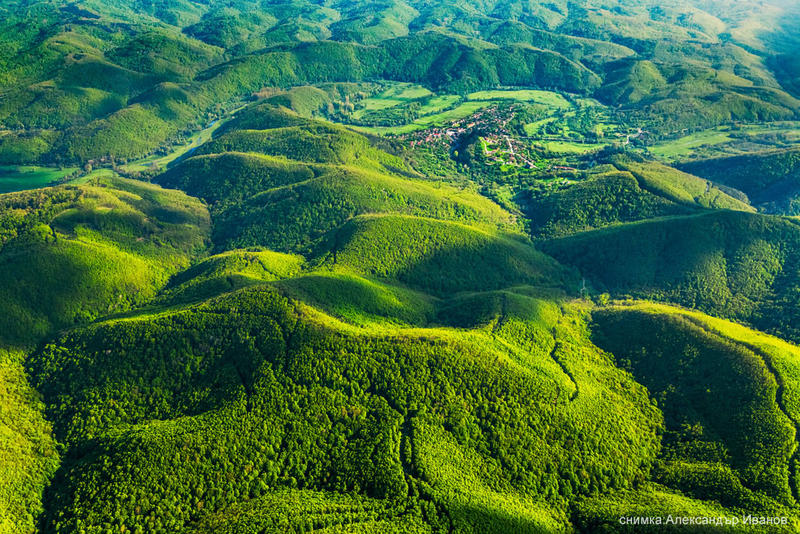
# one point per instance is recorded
(730, 264)
(771, 179)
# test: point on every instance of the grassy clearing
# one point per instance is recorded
(566, 147)
(386, 130)
(439, 104)
(588, 103)
(405, 91)
(161, 162)
(534, 128)
(547, 98)
(437, 119)
(193, 142)
(372, 104)
(464, 110)
(443, 109)
(603, 128)
(684, 147)
(23, 177)
(97, 174)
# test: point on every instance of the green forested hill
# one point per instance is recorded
(288, 187)
(73, 254)
(628, 190)
(731, 264)
(771, 179)
(375, 432)
(236, 315)
(90, 79)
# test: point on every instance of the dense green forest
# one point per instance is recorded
(771, 179)
(399, 266)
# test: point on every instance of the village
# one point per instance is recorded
(503, 141)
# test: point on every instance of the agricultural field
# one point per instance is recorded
(405, 92)
(535, 128)
(375, 104)
(158, 162)
(438, 104)
(546, 98)
(460, 111)
(728, 140)
(567, 147)
(424, 109)
(393, 101)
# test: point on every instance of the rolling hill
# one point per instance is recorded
(288, 187)
(76, 253)
(770, 179)
(626, 190)
(730, 264)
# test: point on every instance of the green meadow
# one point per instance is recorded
(566, 147)
(546, 98)
(684, 147)
(22, 177)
